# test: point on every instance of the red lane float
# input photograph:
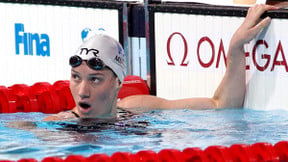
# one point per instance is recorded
(195, 154)
(40, 97)
(52, 159)
(281, 150)
(171, 155)
(46, 96)
(133, 85)
(27, 160)
(122, 156)
(26, 101)
(240, 152)
(53, 98)
(99, 158)
(218, 153)
(258, 152)
(7, 100)
(75, 158)
(63, 91)
(263, 152)
(146, 155)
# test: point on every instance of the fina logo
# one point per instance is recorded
(87, 32)
(31, 42)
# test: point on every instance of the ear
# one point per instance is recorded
(118, 83)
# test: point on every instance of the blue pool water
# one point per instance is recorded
(177, 129)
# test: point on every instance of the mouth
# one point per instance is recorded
(84, 106)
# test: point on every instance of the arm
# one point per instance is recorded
(231, 91)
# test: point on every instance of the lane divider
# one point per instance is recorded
(26, 101)
(53, 98)
(7, 100)
(40, 97)
(258, 152)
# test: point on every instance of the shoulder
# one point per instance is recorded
(60, 116)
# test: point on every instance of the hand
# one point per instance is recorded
(251, 25)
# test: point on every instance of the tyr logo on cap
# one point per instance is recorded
(87, 51)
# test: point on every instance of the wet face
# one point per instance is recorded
(94, 91)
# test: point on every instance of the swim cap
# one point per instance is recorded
(106, 49)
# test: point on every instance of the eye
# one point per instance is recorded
(75, 77)
(96, 79)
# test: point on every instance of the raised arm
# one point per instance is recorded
(231, 91)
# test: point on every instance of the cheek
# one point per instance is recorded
(108, 92)
(105, 96)
(72, 89)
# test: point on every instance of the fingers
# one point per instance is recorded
(261, 8)
(251, 25)
(262, 24)
(257, 10)
(257, 25)
(254, 13)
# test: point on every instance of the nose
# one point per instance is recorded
(84, 91)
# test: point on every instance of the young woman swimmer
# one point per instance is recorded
(98, 68)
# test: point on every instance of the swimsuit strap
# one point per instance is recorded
(122, 113)
(122, 110)
(76, 115)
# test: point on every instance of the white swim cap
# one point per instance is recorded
(106, 49)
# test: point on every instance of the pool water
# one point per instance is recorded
(176, 129)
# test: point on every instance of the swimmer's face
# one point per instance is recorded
(94, 91)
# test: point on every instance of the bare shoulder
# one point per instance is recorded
(60, 116)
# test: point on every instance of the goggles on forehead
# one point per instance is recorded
(93, 63)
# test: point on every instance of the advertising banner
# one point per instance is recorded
(37, 40)
(267, 68)
(190, 51)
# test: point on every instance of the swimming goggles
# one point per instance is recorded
(94, 62)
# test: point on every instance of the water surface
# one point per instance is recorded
(176, 129)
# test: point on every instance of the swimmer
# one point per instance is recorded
(98, 69)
